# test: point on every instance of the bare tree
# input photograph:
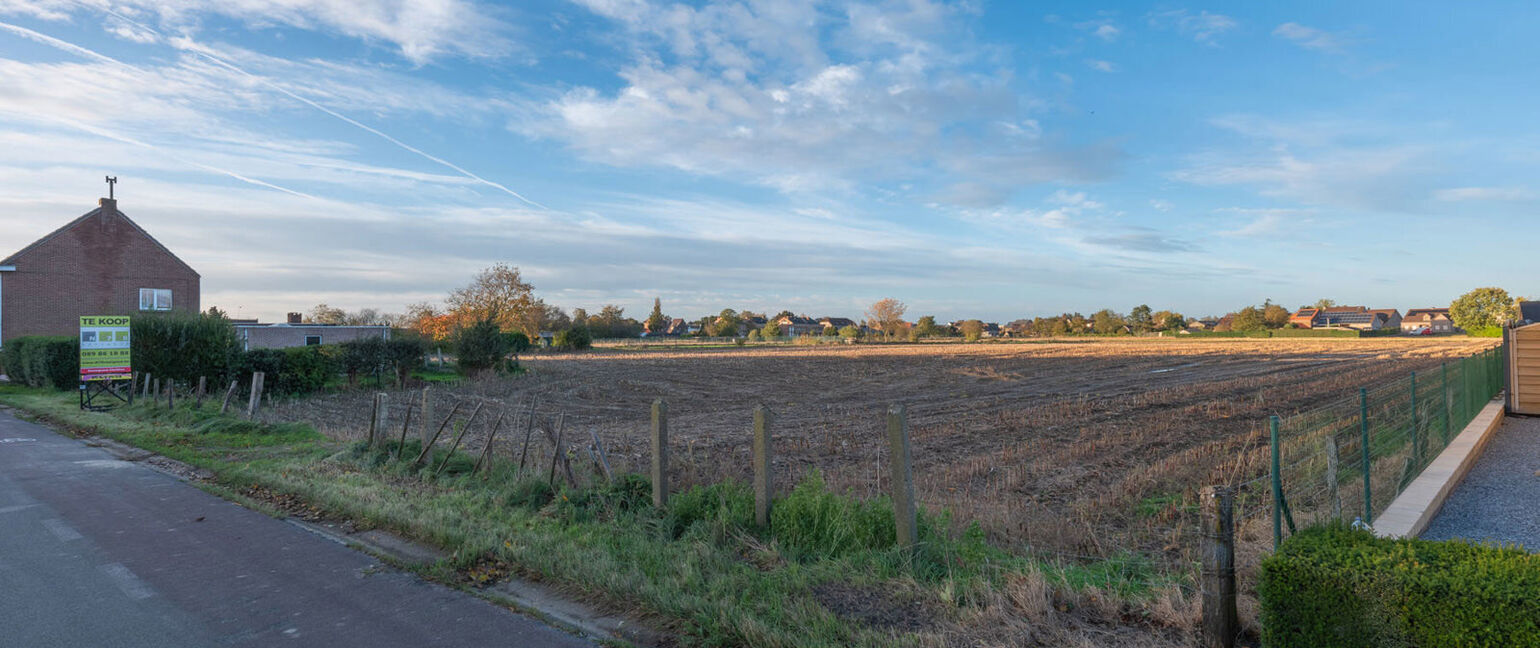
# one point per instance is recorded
(887, 315)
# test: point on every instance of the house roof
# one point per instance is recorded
(1425, 314)
(1529, 311)
(11, 260)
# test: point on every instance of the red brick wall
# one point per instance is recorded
(96, 267)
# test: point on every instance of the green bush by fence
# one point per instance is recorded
(43, 361)
(1336, 586)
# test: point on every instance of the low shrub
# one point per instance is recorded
(479, 346)
(1337, 586)
(576, 338)
(43, 361)
(1485, 331)
(305, 369)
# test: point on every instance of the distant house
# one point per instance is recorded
(1434, 319)
(991, 329)
(101, 263)
(1304, 317)
(1204, 324)
(797, 326)
(1225, 323)
(836, 323)
(1358, 317)
(294, 333)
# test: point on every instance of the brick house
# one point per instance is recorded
(1436, 319)
(798, 325)
(99, 264)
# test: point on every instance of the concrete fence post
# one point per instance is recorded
(659, 453)
(255, 401)
(154, 395)
(763, 487)
(1221, 620)
(902, 477)
(203, 384)
(229, 393)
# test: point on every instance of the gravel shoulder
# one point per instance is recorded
(1499, 501)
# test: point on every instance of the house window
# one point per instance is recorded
(154, 299)
(312, 340)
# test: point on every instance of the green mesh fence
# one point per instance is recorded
(1351, 458)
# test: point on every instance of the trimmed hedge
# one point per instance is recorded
(183, 346)
(43, 361)
(1337, 586)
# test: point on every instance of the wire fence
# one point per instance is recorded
(1348, 460)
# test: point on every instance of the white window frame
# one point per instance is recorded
(155, 299)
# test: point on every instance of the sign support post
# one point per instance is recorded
(106, 367)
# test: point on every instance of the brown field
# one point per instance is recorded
(1074, 447)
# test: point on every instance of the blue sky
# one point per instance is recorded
(973, 159)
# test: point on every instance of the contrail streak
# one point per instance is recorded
(101, 132)
(188, 44)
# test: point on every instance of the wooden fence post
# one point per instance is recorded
(902, 476)
(659, 453)
(170, 394)
(202, 391)
(458, 438)
(426, 414)
(529, 430)
(487, 449)
(255, 402)
(763, 488)
(154, 395)
(405, 424)
(1221, 621)
(146, 394)
(229, 393)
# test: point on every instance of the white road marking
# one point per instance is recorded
(59, 528)
(16, 440)
(128, 582)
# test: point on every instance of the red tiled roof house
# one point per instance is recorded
(99, 264)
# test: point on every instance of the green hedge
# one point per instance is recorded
(184, 346)
(43, 361)
(1336, 586)
(1315, 333)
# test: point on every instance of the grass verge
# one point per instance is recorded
(825, 574)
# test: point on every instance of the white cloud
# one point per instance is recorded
(420, 30)
(1101, 66)
(1160, 205)
(785, 95)
(1202, 26)
(1310, 38)
(1459, 194)
(1102, 28)
(1266, 222)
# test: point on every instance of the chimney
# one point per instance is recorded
(109, 208)
(295, 318)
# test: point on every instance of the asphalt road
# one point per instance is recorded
(95, 551)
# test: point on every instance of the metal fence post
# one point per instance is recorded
(1416, 432)
(1272, 425)
(1221, 621)
(1363, 433)
(1444, 388)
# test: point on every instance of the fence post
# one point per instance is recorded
(763, 488)
(1221, 621)
(170, 394)
(154, 395)
(374, 420)
(1416, 432)
(202, 391)
(902, 476)
(255, 401)
(229, 393)
(1363, 433)
(659, 453)
(427, 421)
(1333, 463)
(1443, 382)
(1272, 427)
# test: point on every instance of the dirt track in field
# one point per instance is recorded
(1080, 447)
